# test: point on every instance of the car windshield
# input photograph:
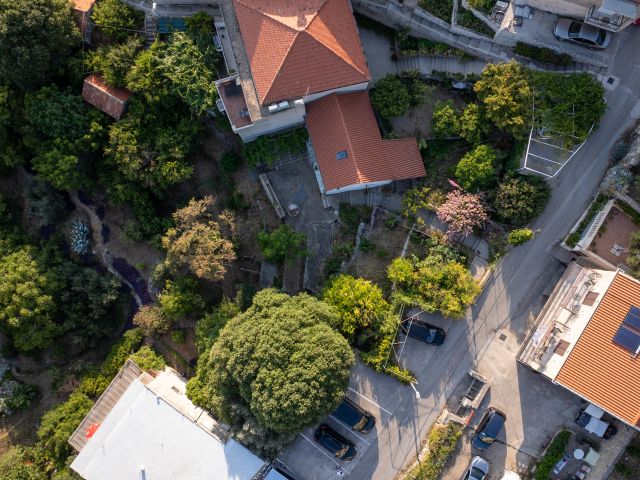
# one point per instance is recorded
(477, 474)
(361, 424)
(342, 451)
(601, 36)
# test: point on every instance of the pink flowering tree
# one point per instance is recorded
(462, 212)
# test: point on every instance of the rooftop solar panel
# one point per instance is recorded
(633, 318)
(627, 339)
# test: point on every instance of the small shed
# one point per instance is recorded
(83, 9)
(112, 101)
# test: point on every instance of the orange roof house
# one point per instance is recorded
(112, 101)
(300, 48)
(349, 149)
(599, 368)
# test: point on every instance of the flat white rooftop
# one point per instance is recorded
(144, 437)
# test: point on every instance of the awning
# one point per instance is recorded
(623, 7)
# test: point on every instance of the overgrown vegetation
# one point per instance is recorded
(574, 237)
(442, 443)
(553, 454)
(542, 54)
(266, 149)
(408, 45)
(468, 20)
(442, 9)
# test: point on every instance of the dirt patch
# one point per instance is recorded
(384, 242)
(417, 121)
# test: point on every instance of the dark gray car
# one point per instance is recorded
(350, 413)
(570, 30)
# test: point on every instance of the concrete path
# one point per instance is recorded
(509, 300)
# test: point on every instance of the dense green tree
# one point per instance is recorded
(147, 79)
(62, 170)
(506, 93)
(10, 124)
(435, 283)
(359, 303)
(179, 299)
(184, 65)
(151, 321)
(154, 155)
(37, 37)
(117, 20)
(200, 241)
(275, 369)
(200, 30)
(86, 299)
(282, 244)
(477, 169)
(57, 425)
(444, 122)
(520, 199)
(472, 126)
(27, 306)
(54, 114)
(114, 61)
(17, 463)
(390, 97)
(209, 326)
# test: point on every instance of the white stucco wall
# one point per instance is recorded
(358, 186)
(358, 87)
(273, 123)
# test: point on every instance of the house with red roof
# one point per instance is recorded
(293, 63)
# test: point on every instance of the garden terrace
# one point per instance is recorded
(235, 105)
(613, 239)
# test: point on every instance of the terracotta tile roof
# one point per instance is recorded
(297, 48)
(598, 369)
(112, 101)
(83, 5)
(346, 122)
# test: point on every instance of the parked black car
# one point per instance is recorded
(334, 442)
(350, 413)
(488, 428)
(424, 331)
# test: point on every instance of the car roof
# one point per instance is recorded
(589, 32)
(496, 420)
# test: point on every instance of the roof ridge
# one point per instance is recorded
(338, 54)
(351, 157)
(347, 61)
(284, 59)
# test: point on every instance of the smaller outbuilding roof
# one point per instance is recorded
(112, 101)
(349, 148)
(83, 5)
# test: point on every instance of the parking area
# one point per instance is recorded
(547, 153)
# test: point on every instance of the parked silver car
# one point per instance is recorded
(571, 30)
(478, 469)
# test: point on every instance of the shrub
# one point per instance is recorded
(468, 20)
(472, 126)
(230, 161)
(440, 8)
(542, 54)
(151, 321)
(484, 6)
(179, 299)
(390, 97)
(519, 236)
(444, 121)
(147, 359)
(519, 199)
(442, 443)
(476, 170)
(359, 303)
(554, 453)
(282, 244)
(462, 212)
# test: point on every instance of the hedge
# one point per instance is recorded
(553, 455)
(542, 54)
(442, 443)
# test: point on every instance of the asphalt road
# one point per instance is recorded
(511, 294)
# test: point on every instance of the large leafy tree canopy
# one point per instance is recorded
(437, 283)
(390, 97)
(519, 199)
(279, 366)
(117, 20)
(27, 306)
(359, 303)
(505, 92)
(200, 242)
(114, 61)
(37, 37)
(476, 170)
